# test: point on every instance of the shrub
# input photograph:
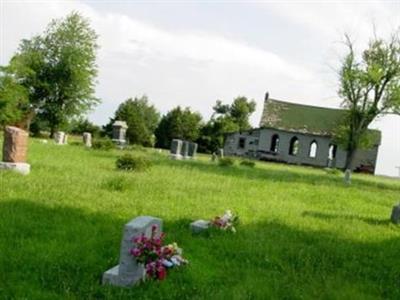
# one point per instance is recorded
(128, 162)
(248, 163)
(103, 144)
(226, 162)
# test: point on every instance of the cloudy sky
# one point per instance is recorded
(191, 53)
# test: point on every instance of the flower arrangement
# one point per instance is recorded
(226, 222)
(156, 257)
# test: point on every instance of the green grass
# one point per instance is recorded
(303, 233)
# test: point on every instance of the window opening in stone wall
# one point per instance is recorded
(275, 143)
(313, 149)
(242, 142)
(294, 146)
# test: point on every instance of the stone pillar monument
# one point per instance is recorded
(185, 150)
(15, 148)
(119, 132)
(59, 137)
(87, 139)
(176, 147)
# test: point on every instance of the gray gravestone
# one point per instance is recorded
(395, 217)
(221, 153)
(65, 139)
(185, 149)
(129, 272)
(176, 146)
(192, 150)
(347, 176)
(199, 226)
(119, 132)
(87, 139)
(59, 137)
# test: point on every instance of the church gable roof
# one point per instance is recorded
(300, 118)
(305, 118)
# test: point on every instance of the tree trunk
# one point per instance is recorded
(52, 131)
(349, 164)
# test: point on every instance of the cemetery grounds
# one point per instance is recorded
(303, 234)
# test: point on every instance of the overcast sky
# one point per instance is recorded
(191, 53)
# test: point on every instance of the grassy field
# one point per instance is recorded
(303, 234)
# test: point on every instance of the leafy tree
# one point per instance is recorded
(81, 125)
(178, 123)
(141, 117)
(226, 118)
(369, 87)
(13, 100)
(58, 70)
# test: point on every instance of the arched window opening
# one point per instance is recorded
(294, 146)
(332, 151)
(275, 143)
(313, 149)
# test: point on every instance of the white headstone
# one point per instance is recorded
(59, 137)
(129, 272)
(176, 147)
(87, 139)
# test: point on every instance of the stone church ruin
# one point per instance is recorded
(300, 134)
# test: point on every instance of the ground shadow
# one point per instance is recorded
(332, 216)
(60, 252)
(276, 175)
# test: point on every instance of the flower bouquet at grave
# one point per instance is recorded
(156, 257)
(226, 222)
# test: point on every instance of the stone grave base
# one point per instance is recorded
(176, 156)
(199, 226)
(22, 168)
(114, 277)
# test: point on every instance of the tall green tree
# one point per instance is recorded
(226, 118)
(142, 119)
(369, 87)
(58, 69)
(178, 124)
(13, 100)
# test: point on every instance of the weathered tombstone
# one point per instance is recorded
(192, 150)
(129, 272)
(15, 148)
(87, 139)
(65, 139)
(395, 217)
(59, 137)
(213, 157)
(185, 150)
(199, 226)
(176, 146)
(220, 153)
(119, 132)
(347, 176)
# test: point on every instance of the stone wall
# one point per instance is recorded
(257, 144)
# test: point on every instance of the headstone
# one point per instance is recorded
(129, 272)
(185, 150)
(87, 139)
(59, 137)
(199, 226)
(65, 139)
(220, 153)
(119, 132)
(347, 176)
(176, 146)
(192, 150)
(15, 148)
(395, 217)
(213, 157)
